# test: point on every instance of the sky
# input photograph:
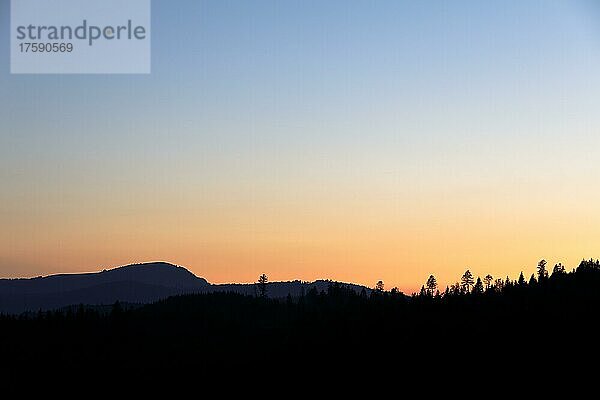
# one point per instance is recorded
(349, 140)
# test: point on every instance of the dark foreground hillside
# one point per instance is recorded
(549, 322)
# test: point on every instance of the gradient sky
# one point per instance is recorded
(350, 140)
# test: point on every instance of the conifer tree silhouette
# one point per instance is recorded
(262, 285)
(431, 285)
(467, 282)
(541, 270)
(488, 281)
(478, 287)
(521, 281)
(532, 280)
(559, 269)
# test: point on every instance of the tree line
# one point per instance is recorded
(469, 285)
(334, 329)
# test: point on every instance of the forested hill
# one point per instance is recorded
(137, 284)
(547, 321)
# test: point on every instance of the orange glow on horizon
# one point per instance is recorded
(350, 242)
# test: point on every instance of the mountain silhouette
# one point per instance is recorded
(137, 283)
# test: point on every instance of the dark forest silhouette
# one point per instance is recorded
(473, 321)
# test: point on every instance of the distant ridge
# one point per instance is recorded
(136, 283)
(282, 289)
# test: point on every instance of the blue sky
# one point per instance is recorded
(324, 109)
